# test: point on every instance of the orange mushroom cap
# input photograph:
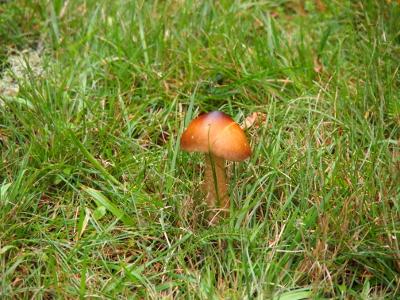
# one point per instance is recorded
(219, 133)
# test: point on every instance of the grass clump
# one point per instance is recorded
(97, 201)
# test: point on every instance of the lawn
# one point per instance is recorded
(97, 200)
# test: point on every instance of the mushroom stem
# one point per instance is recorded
(216, 185)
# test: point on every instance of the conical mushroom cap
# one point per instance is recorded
(218, 133)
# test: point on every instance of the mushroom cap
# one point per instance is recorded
(219, 133)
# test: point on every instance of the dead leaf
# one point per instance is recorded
(321, 6)
(318, 67)
(256, 120)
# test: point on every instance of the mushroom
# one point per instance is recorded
(220, 138)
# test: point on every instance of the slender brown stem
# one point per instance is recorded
(216, 185)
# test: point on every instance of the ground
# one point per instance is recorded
(98, 201)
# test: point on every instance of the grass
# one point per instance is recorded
(97, 201)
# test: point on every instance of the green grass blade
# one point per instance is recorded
(92, 160)
(101, 200)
